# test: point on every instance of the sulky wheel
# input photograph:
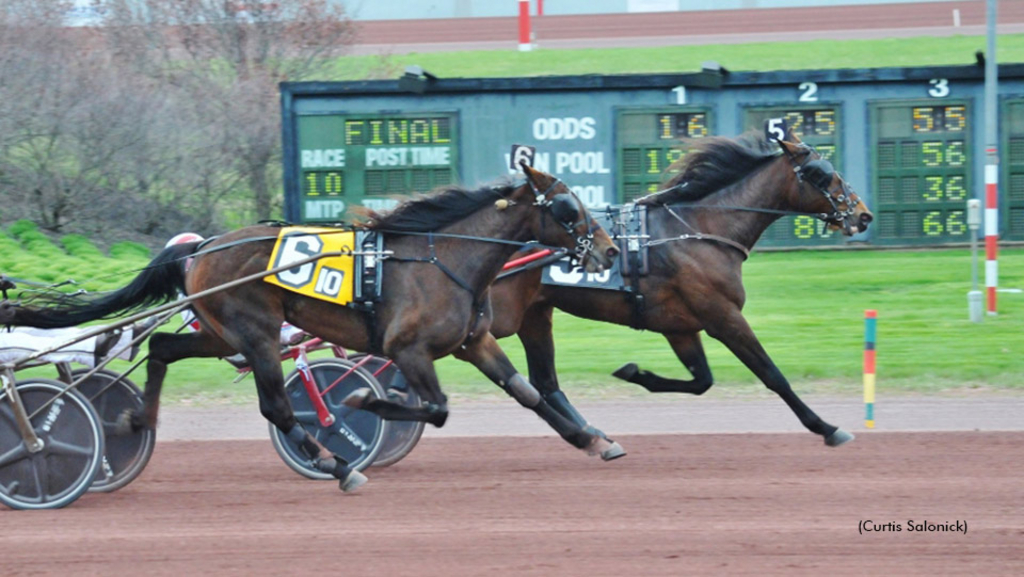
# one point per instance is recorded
(126, 454)
(72, 448)
(402, 435)
(355, 435)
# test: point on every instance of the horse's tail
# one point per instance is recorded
(160, 282)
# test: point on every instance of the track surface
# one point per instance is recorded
(678, 504)
(688, 28)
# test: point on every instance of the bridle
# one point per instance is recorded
(818, 173)
(564, 208)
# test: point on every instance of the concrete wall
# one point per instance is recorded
(418, 9)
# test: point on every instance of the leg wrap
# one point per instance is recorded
(522, 391)
(298, 436)
(562, 405)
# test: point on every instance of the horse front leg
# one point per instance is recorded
(690, 352)
(734, 332)
(264, 357)
(536, 335)
(485, 354)
(417, 366)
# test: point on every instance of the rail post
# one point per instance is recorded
(870, 319)
(524, 26)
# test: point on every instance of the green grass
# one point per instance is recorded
(806, 307)
(920, 51)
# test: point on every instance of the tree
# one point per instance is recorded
(224, 60)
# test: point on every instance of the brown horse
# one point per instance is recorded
(701, 229)
(446, 249)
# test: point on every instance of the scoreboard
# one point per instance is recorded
(818, 126)
(648, 144)
(360, 159)
(921, 152)
(1011, 182)
(905, 139)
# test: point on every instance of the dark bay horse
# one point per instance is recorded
(447, 249)
(726, 193)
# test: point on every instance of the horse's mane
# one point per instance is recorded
(425, 213)
(713, 163)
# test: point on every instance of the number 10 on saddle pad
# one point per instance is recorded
(329, 278)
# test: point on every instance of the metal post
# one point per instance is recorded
(974, 306)
(991, 164)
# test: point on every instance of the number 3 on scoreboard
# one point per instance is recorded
(939, 89)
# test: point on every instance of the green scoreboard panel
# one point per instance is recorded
(647, 143)
(921, 157)
(820, 127)
(363, 159)
(1011, 182)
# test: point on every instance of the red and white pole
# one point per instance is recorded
(991, 233)
(524, 26)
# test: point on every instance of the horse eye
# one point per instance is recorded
(563, 208)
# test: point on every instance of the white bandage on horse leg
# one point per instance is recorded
(522, 391)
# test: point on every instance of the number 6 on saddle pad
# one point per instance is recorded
(329, 278)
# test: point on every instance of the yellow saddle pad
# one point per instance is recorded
(329, 278)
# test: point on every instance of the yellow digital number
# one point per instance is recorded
(652, 187)
(931, 153)
(803, 227)
(333, 183)
(955, 153)
(824, 122)
(827, 151)
(696, 126)
(955, 225)
(652, 156)
(672, 155)
(795, 120)
(956, 121)
(932, 223)
(311, 187)
(665, 124)
(955, 188)
(923, 121)
(933, 192)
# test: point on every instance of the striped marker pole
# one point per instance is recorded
(870, 320)
(524, 26)
(991, 233)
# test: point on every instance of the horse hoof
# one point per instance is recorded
(839, 437)
(605, 449)
(124, 425)
(595, 431)
(354, 480)
(626, 372)
(613, 452)
(438, 415)
(358, 398)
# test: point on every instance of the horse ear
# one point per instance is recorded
(791, 148)
(532, 174)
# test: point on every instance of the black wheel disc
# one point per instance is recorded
(72, 448)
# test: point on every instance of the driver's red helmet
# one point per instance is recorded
(183, 238)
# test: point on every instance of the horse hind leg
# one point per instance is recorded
(690, 352)
(164, 349)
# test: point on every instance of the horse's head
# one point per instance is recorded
(821, 190)
(564, 221)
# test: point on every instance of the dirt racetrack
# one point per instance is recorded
(677, 504)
